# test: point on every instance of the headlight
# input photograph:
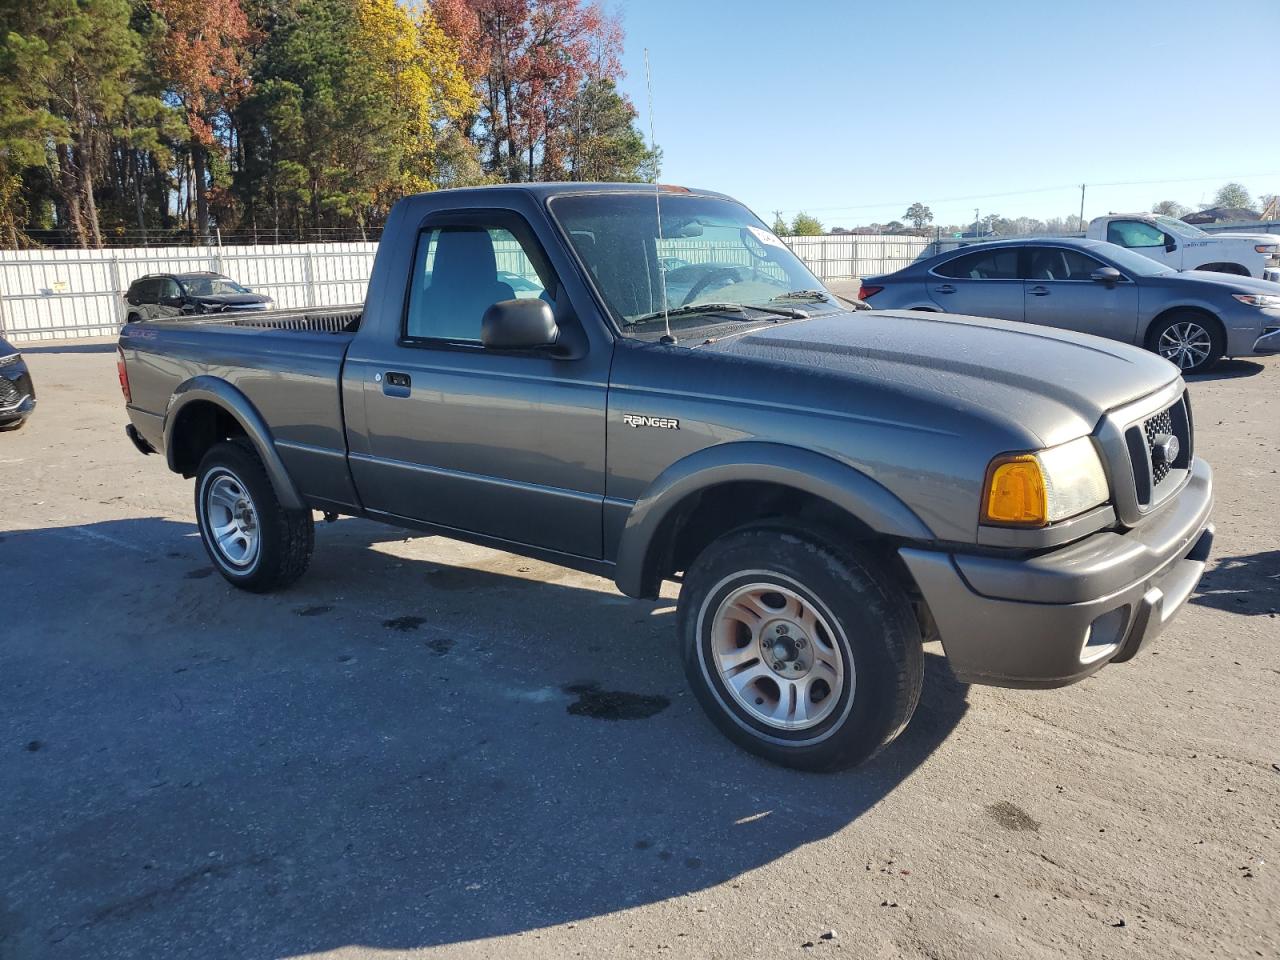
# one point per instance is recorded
(1258, 299)
(1265, 248)
(1035, 489)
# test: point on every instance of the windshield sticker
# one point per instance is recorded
(765, 237)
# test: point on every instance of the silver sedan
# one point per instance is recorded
(1191, 318)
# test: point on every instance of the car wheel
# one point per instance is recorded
(1189, 340)
(800, 651)
(253, 541)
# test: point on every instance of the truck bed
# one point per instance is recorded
(287, 363)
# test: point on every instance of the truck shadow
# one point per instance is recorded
(387, 755)
(1248, 585)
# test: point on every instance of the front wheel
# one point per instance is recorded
(1189, 340)
(800, 651)
(253, 541)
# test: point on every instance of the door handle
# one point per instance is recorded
(395, 384)
(944, 288)
(1039, 291)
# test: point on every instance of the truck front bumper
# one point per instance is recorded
(1050, 619)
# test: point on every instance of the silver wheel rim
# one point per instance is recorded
(777, 656)
(1187, 344)
(232, 520)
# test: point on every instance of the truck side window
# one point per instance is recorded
(461, 271)
(1134, 233)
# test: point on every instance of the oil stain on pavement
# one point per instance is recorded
(613, 704)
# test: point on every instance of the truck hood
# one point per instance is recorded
(1251, 237)
(235, 301)
(1042, 384)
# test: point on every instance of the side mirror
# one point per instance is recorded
(519, 325)
(1170, 244)
(1108, 275)
(171, 301)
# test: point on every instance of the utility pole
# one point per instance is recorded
(777, 215)
(975, 223)
(1082, 186)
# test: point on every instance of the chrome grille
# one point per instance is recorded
(9, 395)
(1161, 423)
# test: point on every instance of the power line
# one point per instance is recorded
(1032, 190)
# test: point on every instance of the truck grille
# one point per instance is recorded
(1152, 471)
(1159, 425)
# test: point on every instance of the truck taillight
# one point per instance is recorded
(124, 376)
(867, 292)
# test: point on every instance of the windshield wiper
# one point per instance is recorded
(691, 308)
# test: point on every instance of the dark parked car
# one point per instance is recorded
(17, 395)
(160, 296)
(1191, 318)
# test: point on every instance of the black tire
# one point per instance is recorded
(285, 538)
(1157, 343)
(874, 630)
(133, 318)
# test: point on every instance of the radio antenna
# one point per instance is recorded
(657, 203)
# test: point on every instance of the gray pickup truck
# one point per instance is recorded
(646, 384)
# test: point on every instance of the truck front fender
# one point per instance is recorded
(206, 389)
(750, 460)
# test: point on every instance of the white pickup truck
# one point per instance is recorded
(1185, 247)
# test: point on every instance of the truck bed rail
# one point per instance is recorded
(324, 320)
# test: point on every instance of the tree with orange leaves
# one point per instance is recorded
(198, 52)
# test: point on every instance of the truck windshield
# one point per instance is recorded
(709, 252)
(1180, 229)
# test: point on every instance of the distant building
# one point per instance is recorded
(1222, 215)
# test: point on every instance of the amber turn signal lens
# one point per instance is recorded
(1016, 492)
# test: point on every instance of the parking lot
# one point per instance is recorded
(427, 746)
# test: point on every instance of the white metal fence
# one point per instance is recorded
(59, 294)
(56, 294)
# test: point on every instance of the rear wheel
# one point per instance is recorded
(253, 541)
(800, 651)
(1190, 340)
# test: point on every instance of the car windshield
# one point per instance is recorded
(709, 252)
(1134, 263)
(211, 286)
(1180, 229)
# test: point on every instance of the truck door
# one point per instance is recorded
(1146, 239)
(509, 444)
(981, 283)
(1060, 292)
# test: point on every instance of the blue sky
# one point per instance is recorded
(852, 110)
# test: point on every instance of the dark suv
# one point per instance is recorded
(17, 395)
(160, 296)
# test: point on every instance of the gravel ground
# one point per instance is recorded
(436, 748)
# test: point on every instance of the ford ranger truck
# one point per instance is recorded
(646, 384)
(1184, 246)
